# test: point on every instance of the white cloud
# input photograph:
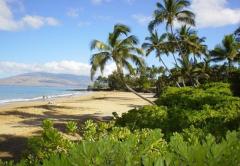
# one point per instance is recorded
(214, 13)
(8, 23)
(51, 21)
(142, 19)
(68, 67)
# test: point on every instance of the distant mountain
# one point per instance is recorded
(47, 79)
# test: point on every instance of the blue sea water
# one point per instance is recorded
(28, 93)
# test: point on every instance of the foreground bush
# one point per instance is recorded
(105, 144)
(49, 143)
(148, 148)
(120, 146)
(210, 107)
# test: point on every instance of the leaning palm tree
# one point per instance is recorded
(158, 44)
(227, 50)
(170, 12)
(119, 48)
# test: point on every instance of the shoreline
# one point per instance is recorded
(43, 98)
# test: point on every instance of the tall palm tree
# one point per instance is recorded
(227, 50)
(190, 43)
(170, 12)
(119, 48)
(158, 44)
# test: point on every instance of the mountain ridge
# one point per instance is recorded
(47, 79)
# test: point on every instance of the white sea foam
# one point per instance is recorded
(44, 98)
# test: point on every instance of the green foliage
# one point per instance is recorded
(147, 147)
(115, 82)
(10, 163)
(106, 144)
(50, 142)
(100, 83)
(72, 127)
(145, 117)
(118, 147)
(207, 152)
(210, 107)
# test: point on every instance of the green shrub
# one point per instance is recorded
(72, 127)
(210, 107)
(195, 98)
(148, 148)
(50, 142)
(147, 116)
(112, 145)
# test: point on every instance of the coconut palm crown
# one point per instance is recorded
(227, 50)
(190, 43)
(171, 11)
(120, 48)
(158, 44)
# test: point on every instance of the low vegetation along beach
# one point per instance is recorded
(172, 97)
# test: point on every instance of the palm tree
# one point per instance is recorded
(158, 44)
(189, 71)
(120, 48)
(172, 11)
(190, 43)
(227, 50)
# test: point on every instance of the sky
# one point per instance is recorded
(54, 35)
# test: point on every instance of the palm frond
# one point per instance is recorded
(98, 61)
(96, 44)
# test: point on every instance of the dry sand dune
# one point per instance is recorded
(18, 121)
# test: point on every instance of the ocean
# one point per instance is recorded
(30, 93)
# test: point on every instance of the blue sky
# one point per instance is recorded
(54, 35)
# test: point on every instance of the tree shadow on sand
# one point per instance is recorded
(11, 147)
(14, 145)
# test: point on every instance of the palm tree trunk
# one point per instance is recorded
(229, 67)
(183, 81)
(129, 88)
(179, 48)
(133, 91)
(167, 68)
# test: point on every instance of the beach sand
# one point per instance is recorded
(19, 121)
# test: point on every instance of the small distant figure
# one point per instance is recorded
(50, 103)
(45, 98)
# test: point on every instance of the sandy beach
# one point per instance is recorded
(18, 121)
